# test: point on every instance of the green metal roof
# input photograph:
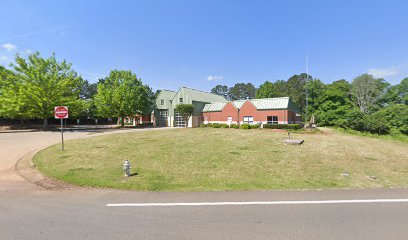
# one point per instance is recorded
(201, 96)
(260, 104)
(167, 94)
(238, 103)
(214, 107)
(271, 103)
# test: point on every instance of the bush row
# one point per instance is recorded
(381, 122)
(282, 126)
(249, 126)
(252, 126)
(389, 119)
(215, 125)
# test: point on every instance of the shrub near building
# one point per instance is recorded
(245, 126)
(282, 126)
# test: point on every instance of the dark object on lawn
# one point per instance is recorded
(372, 177)
(293, 141)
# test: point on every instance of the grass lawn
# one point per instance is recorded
(207, 159)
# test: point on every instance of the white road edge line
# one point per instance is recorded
(257, 203)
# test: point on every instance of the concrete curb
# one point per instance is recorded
(26, 168)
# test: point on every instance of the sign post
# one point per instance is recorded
(61, 112)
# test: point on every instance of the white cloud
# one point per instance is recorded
(384, 72)
(4, 59)
(214, 78)
(9, 46)
(28, 51)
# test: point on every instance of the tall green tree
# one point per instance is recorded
(402, 92)
(87, 94)
(122, 94)
(281, 88)
(185, 110)
(315, 89)
(221, 90)
(296, 89)
(334, 103)
(46, 83)
(395, 116)
(266, 90)
(88, 90)
(13, 105)
(367, 91)
(242, 91)
(397, 94)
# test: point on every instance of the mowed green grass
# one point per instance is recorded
(228, 159)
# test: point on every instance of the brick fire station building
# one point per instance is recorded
(211, 108)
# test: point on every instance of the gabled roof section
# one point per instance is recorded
(275, 103)
(200, 96)
(214, 106)
(238, 103)
(271, 103)
(167, 94)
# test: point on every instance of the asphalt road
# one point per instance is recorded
(30, 212)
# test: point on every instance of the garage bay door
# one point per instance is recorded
(161, 120)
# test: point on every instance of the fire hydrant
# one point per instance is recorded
(126, 168)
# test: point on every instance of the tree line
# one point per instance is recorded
(365, 104)
(33, 86)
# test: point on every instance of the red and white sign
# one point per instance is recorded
(61, 112)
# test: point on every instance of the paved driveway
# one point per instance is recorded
(15, 144)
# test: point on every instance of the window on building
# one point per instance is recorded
(162, 102)
(181, 100)
(272, 119)
(248, 119)
(229, 119)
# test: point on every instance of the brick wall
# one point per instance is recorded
(248, 109)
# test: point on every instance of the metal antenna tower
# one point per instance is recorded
(307, 90)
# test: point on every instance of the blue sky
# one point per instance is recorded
(204, 43)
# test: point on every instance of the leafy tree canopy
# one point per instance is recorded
(367, 90)
(397, 94)
(266, 90)
(221, 90)
(185, 110)
(242, 91)
(122, 94)
(43, 83)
